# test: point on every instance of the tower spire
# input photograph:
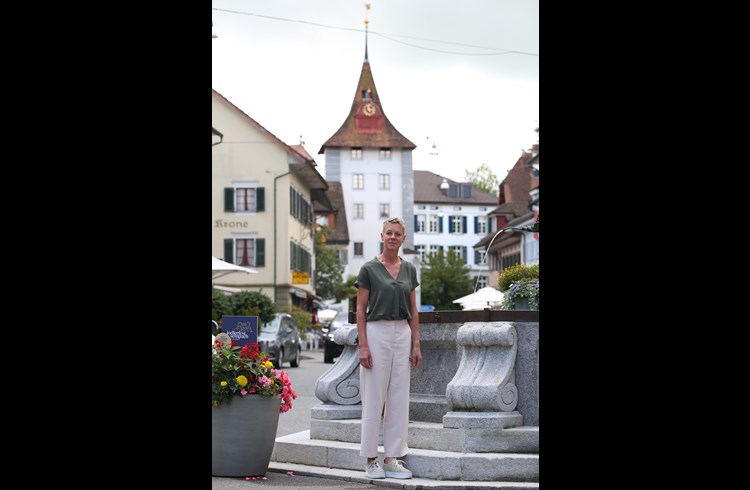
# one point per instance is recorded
(368, 6)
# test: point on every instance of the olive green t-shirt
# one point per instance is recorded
(389, 298)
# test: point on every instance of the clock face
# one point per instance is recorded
(368, 109)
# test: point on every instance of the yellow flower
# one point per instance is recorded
(241, 380)
(223, 383)
(267, 365)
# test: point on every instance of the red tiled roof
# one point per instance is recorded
(362, 131)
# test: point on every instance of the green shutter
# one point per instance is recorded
(260, 196)
(260, 252)
(228, 199)
(229, 250)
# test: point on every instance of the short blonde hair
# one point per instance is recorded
(395, 220)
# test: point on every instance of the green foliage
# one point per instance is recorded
(328, 268)
(523, 288)
(515, 273)
(347, 290)
(253, 303)
(302, 318)
(444, 278)
(220, 305)
(483, 178)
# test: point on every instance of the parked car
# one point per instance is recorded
(280, 339)
(331, 349)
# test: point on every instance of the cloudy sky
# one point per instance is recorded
(463, 76)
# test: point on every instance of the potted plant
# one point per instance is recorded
(520, 286)
(247, 396)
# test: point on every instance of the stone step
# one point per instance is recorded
(414, 483)
(429, 435)
(441, 465)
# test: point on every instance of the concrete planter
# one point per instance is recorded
(243, 434)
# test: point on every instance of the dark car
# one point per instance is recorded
(331, 349)
(280, 339)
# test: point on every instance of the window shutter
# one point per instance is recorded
(292, 256)
(260, 195)
(440, 249)
(463, 253)
(489, 224)
(476, 257)
(381, 247)
(476, 224)
(415, 222)
(228, 200)
(260, 252)
(229, 249)
(463, 224)
(450, 224)
(440, 224)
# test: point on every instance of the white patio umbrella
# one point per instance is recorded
(221, 268)
(486, 297)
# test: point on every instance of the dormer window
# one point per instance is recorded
(366, 94)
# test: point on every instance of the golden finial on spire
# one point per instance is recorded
(368, 6)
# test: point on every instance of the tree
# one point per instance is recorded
(347, 290)
(445, 278)
(253, 303)
(328, 268)
(483, 178)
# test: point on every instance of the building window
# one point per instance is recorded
(384, 182)
(344, 256)
(385, 153)
(420, 250)
(359, 210)
(300, 258)
(358, 181)
(459, 250)
(433, 223)
(299, 207)
(356, 153)
(457, 224)
(244, 199)
(434, 249)
(358, 249)
(481, 282)
(480, 225)
(479, 256)
(385, 210)
(421, 224)
(244, 252)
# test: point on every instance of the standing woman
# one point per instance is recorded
(388, 330)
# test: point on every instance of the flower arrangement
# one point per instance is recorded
(246, 371)
(523, 288)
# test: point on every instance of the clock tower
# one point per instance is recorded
(373, 162)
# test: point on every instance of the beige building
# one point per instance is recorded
(262, 197)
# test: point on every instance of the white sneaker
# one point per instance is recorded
(374, 470)
(396, 469)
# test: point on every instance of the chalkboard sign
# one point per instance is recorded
(241, 329)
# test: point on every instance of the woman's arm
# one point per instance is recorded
(365, 358)
(416, 351)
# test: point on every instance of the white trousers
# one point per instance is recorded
(385, 388)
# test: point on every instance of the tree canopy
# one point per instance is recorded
(483, 178)
(445, 278)
(328, 268)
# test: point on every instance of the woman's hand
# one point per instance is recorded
(416, 357)
(365, 358)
